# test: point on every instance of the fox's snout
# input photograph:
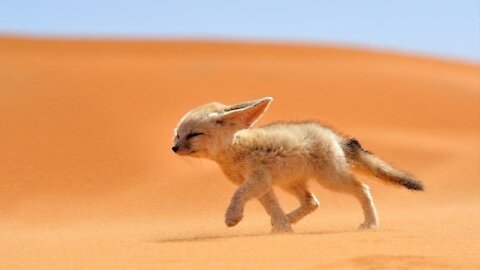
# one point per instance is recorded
(182, 149)
(177, 148)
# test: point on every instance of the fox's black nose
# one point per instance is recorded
(175, 148)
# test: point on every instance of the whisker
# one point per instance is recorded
(188, 161)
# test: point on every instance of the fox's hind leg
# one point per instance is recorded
(308, 202)
(346, 183)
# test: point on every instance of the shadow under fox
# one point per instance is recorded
(283, 154)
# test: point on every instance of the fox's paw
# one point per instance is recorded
(286, 229)
(368, 226)
(232, 218)
(281, 225)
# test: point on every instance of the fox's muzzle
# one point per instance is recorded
(181, 149)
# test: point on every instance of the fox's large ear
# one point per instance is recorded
(246, 113)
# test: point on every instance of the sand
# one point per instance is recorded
(88, 180)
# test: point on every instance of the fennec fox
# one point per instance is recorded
(282, 154)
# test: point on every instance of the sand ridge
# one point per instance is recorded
(87, 179)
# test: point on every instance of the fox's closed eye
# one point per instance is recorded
(194, 134)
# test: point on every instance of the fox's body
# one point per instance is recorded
(289, 152)
(282, 154)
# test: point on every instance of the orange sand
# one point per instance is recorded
(88, 181)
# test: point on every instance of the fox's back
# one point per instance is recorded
(287, 136)
(302, 133)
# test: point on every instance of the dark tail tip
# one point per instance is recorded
(413, 185)
(353, 144)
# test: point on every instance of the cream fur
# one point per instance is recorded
(282, 154)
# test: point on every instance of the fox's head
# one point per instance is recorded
(206, 130)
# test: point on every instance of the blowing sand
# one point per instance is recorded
(88, 181)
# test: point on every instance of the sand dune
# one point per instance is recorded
(87, 179)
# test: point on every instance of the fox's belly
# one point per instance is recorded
(280, 171)
(287, 175)
(287, 170)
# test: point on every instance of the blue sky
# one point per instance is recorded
(448, 29)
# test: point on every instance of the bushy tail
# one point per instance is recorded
(366, 162)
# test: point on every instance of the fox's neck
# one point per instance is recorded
(224, 154)
(223, 149)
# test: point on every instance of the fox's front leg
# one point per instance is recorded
(280, 222)
(256, 185)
